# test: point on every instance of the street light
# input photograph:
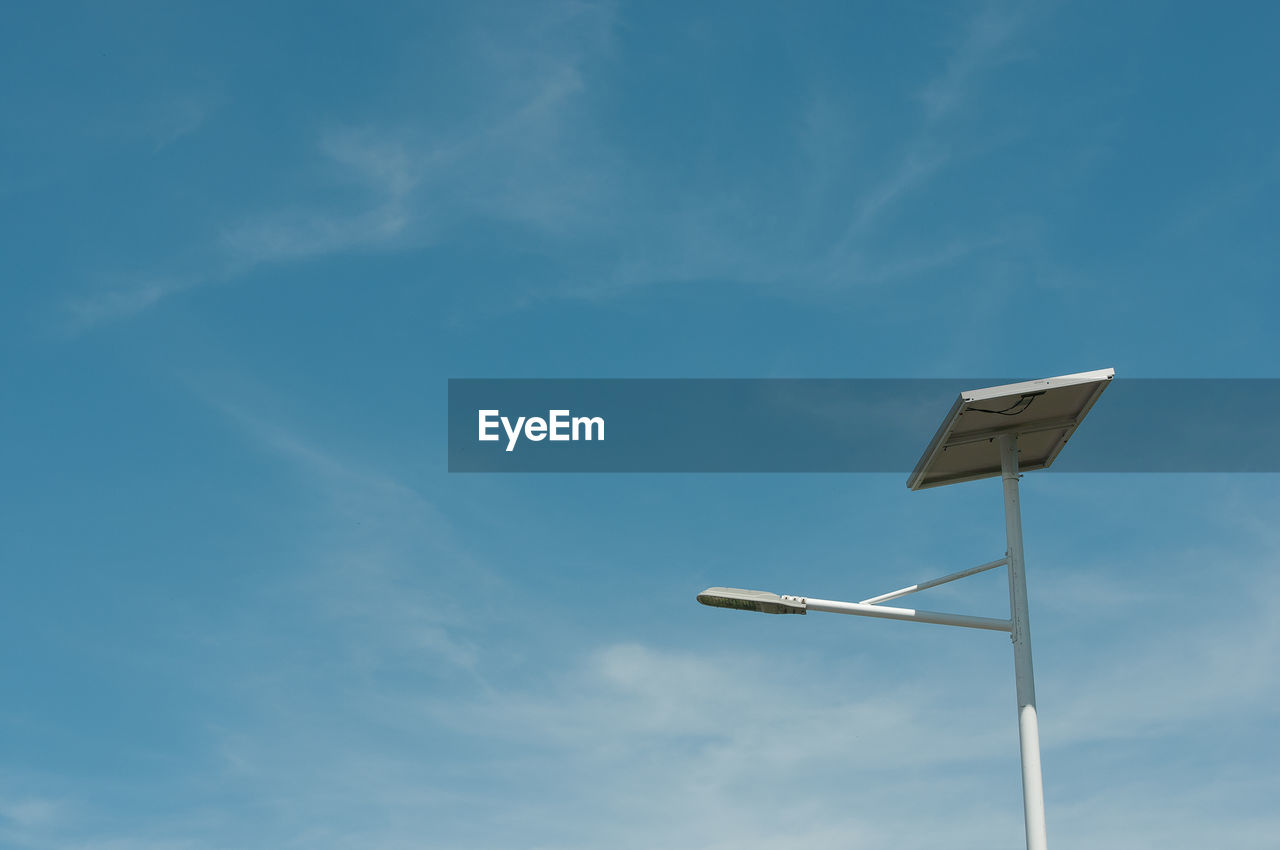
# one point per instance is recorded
(1001, 431)
(752, 600)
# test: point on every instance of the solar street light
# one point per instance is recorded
(1002, 431)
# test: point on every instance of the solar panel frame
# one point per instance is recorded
(1043, 414)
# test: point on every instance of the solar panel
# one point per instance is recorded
(1043, 414)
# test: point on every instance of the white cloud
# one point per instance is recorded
(522, 146)
(181, 116)
(987, 43)
(119, 301)
(517, 153)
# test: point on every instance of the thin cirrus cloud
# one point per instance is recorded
(988, 41)
(381, 182)
(506, 160)
(178, 117)
(525, 150)
(380, 564)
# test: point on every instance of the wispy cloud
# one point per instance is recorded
(161, 119)
(376, 568)
(21, 813)
(381, 175)
(181, 116)
(722, 236)
(514, 154)
(527, 151)
(119, 300)
(987, 42)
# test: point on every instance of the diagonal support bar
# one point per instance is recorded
(925, 585)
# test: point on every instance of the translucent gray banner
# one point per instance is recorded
(836, 425)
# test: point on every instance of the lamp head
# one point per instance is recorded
(752, 600)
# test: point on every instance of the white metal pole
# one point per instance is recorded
(1028, 725)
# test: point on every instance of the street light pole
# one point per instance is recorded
(1028, 724)
(989, 432)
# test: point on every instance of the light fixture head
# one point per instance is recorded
(752, 600)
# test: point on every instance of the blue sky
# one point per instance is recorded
(245, 247)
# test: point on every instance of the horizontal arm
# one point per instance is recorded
(864, 610)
